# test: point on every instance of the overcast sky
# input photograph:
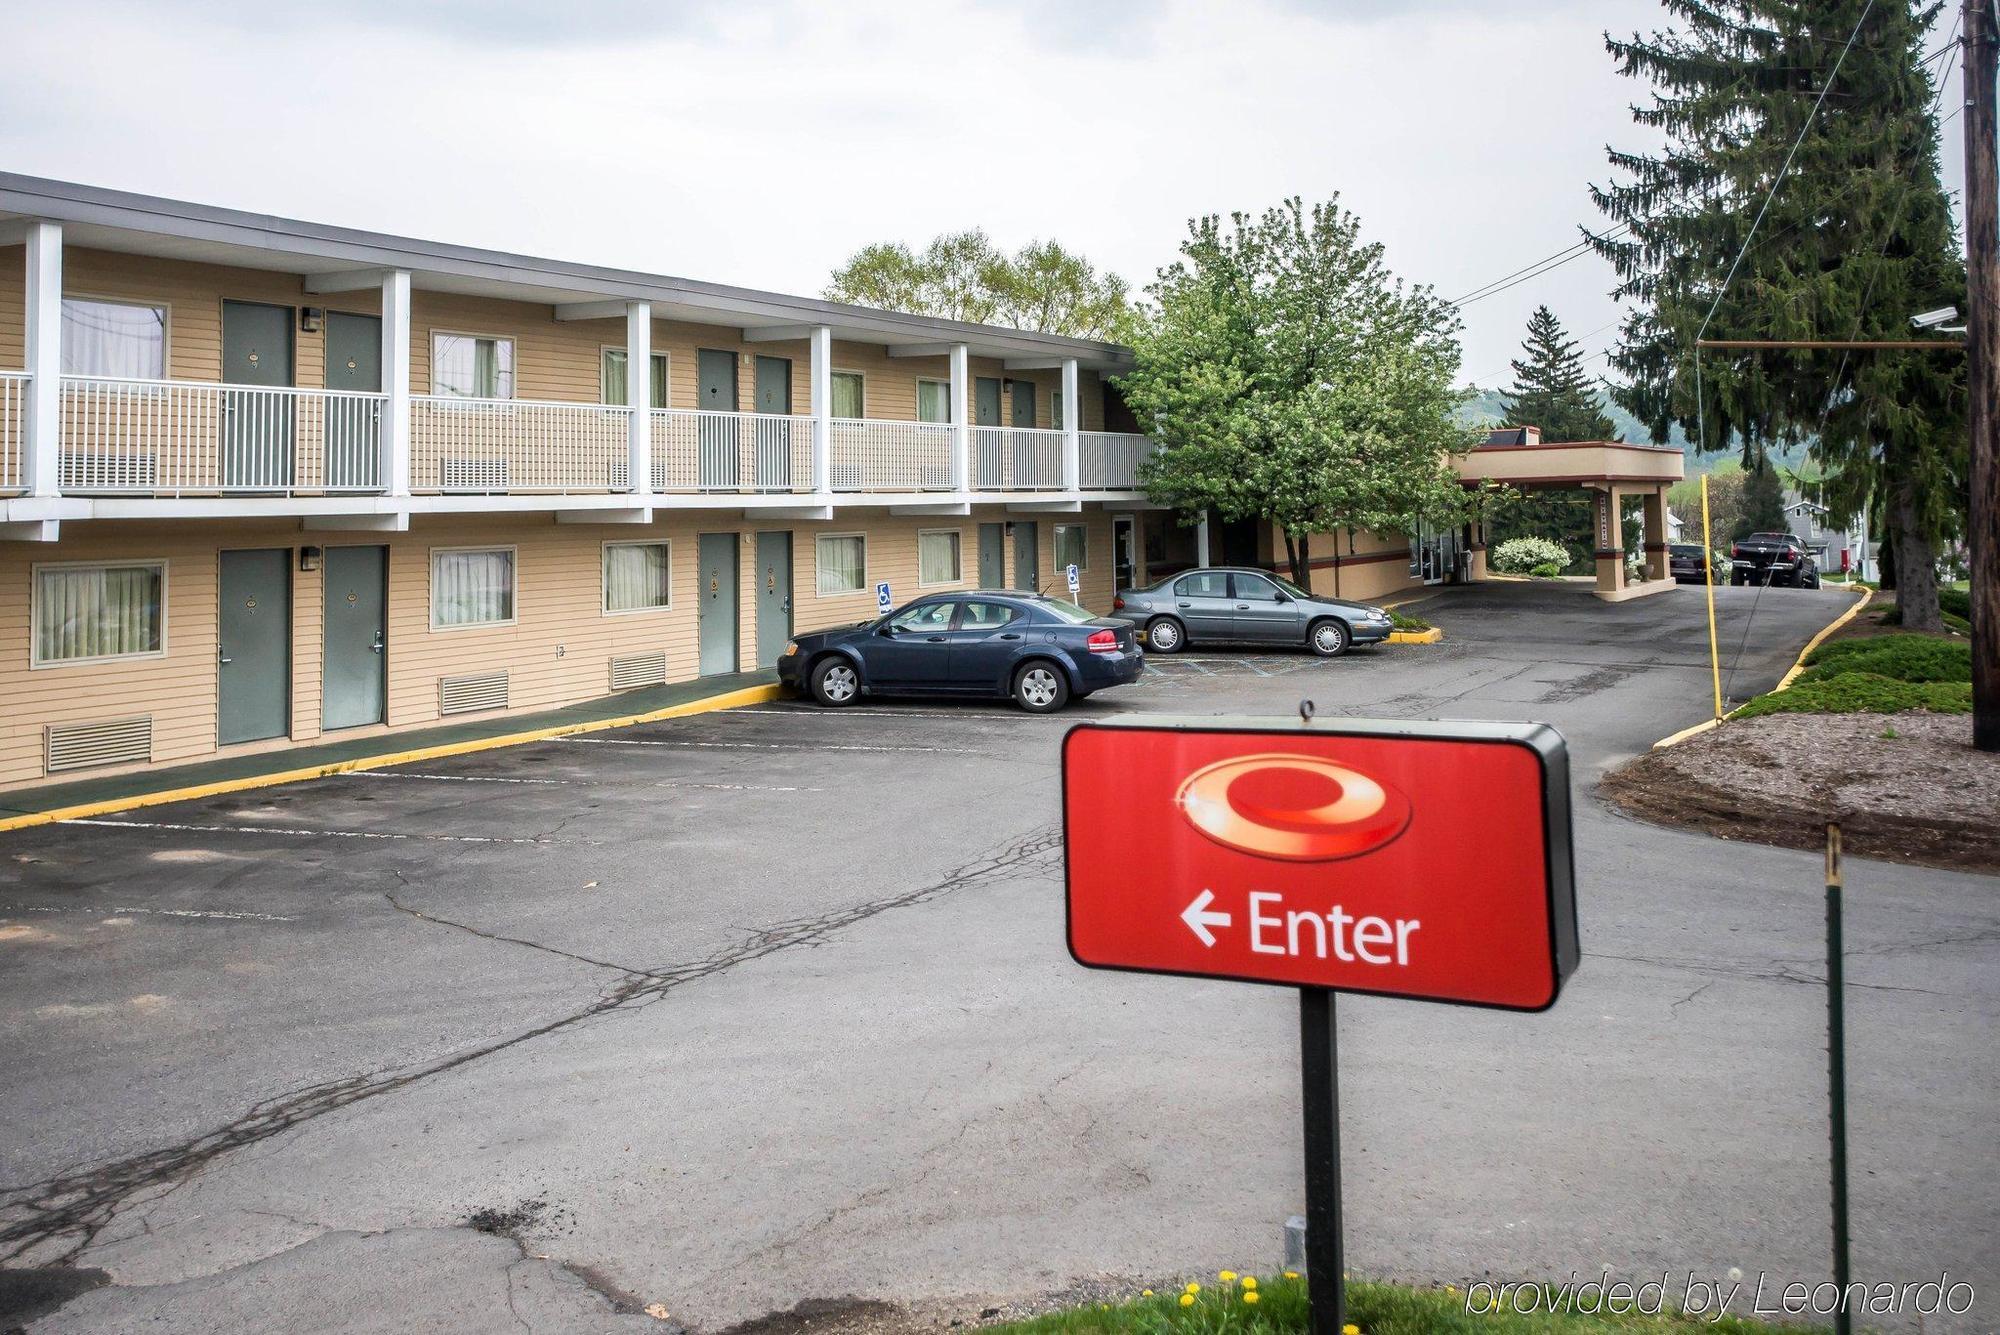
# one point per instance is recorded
(761, 142)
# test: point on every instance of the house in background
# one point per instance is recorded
(1838, 548)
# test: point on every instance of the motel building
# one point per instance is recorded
(267, 482)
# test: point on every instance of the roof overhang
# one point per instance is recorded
(333, 258)
(1580, 464)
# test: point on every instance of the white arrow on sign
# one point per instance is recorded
(1199, 919)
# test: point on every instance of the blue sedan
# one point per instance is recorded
(1042, 652)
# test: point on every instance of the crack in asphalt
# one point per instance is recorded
(70, 1209)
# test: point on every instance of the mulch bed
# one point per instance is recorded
(1904, 787)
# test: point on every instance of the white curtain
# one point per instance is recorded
(847, 396)
(1070, 546)
(616, 385)
(472, 588)
(97, 612)
(472, 368)
(933, 401)
(114, 338)
(635, 576)
(839, 564)
(937, 558)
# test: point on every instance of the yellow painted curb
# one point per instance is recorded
(1431, 636)
(1785, 682)
(749, 695)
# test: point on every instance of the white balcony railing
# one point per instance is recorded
(1011, 458)
(1109, 460)
(13, 429)
(870, 455)
(517, 445)
(177, 437)
(721, 452)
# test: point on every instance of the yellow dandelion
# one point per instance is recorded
(1250, 1295)
(1226, 1276)
(1193, 1287)
(1187, 1300)
(1145, 1293)
(1291, 1274)
(1249, 1281)
(1350, 1329)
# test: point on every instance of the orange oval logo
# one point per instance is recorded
(1291, 807)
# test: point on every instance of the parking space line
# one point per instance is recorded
(769, 746)
(226, 915)
(452, 778)
(740, 787)
(308, 834)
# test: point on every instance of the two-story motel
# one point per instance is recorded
(265, 480)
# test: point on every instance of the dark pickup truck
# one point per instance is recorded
(1773, 558)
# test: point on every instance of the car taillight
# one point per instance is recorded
(1117, 604)
(1736, 549)
(1103, 642)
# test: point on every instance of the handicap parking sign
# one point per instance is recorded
(882, 600)
(1074, 584)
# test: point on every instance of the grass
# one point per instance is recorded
(1881, 674)
(1223, 1308)
(1401, 622)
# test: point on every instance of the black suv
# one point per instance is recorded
(1773, 558)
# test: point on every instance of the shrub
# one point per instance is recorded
(1547, 570)
(1518, 556)
(1862, 693)
(1914, 658)
(1401, 622)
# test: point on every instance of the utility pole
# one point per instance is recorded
(1982, 339)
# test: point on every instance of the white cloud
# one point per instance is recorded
(760, 143)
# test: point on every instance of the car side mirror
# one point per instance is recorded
(888, 628)
(1284, 597)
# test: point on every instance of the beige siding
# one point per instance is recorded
(1360, 564)
(557, 652)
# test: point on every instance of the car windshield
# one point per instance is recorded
(1067, 611)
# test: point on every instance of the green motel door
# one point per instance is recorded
(257, 444)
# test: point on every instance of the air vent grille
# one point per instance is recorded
(467, 695)
(638, 670)
(88, 745)
(472, 474)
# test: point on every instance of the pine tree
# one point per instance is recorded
(1857, 236)
(1763, 503)
(1551, 390)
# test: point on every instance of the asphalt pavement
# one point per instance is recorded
(730, 1012)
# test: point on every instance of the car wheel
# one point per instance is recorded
(1165, 636)
(1813, 580)
(836, 682)
(1040, 688)
(1328, 638)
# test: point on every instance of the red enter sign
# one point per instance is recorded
(1426, 860)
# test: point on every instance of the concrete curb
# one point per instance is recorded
(1431, 636)
(752, 695)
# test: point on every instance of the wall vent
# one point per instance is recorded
(467, 695)
(639, 670)
(88, 745)
(472, 474)
(115, 470)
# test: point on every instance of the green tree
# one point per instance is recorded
(1725, 502)
(1292, 379)
(1857, 236)
(1551, 390)
(1763, 503)
(964, 276)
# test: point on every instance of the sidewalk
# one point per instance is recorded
(82, 797)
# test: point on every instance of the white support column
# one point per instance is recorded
(639, 394)
(42, 459)
(961, 418)
(1201, 542)
(1072, 428)
(822, 409)
(396, 382)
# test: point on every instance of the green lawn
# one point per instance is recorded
(1882, 674)
(1277, 1304)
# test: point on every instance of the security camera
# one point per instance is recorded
(1932, 319)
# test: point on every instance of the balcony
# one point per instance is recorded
(185, 439)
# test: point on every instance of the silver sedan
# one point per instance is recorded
(1224, 605)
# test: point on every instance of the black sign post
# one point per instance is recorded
(1319, 1069)
(1836, 1071)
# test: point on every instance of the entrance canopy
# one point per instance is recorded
(1611, 471)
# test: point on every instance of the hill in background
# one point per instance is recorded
(1483, 407)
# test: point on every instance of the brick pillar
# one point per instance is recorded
(1656, 535)
(1610, 540)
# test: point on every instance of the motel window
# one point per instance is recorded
(842, 559)
(933, 401)
(89, 613)
(612, 381)
(1071, 548)
(1056, 410)
(472, 586)
(636, 577)
(848, 398)
(469, 366)
(123, 339)
(937, 556)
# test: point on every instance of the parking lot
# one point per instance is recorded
(729, 1012)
